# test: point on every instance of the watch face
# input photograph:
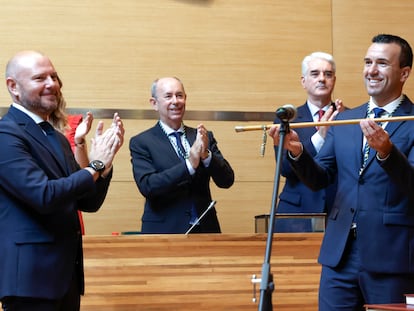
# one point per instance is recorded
(97, 165)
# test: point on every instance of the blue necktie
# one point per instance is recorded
(181, 149)
(377, 114)
(182, 153)
(52, 138)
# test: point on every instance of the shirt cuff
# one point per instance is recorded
(190, 168)
(298, 156)
(382, 159)
(207, 160)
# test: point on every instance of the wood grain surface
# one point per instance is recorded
(198, 272)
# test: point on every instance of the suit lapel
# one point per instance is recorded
(36, 132)
(191, 134)
(33, 130)
(164, 145)
(161, 138)
(352, 137)
(304, 114)
(403, 110)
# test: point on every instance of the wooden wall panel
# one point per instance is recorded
(232, 56)
(354, 25)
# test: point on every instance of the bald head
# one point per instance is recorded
(161, 81)
(21, 60)
(32, 82)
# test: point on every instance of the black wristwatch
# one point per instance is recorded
(97, 165)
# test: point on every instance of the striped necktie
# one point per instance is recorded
(181, 149)
(378, 112)
(183, 153)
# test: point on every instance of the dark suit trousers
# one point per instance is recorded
(348, 287)
(69, 302)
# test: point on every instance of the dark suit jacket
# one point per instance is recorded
(163, 179)
(296, 197)
(382, 196)
(40, 239)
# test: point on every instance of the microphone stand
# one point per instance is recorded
(266, 284)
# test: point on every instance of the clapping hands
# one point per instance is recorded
(105, 144)
(199, 150)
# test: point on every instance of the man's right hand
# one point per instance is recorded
(291, 142)
(106, 143)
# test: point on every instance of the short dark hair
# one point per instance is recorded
(406, 55)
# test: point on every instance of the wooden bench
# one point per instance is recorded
(198, 272)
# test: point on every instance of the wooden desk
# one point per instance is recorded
(198, 272)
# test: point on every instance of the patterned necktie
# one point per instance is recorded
(183, 154)
(378, 112)
(181, 149)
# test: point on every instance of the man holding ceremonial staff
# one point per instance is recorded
(367, 254)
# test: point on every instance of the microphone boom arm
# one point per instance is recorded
(202, 215)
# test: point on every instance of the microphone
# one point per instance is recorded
(202, 215)
(286, 113)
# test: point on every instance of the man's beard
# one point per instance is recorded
(40, 107)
